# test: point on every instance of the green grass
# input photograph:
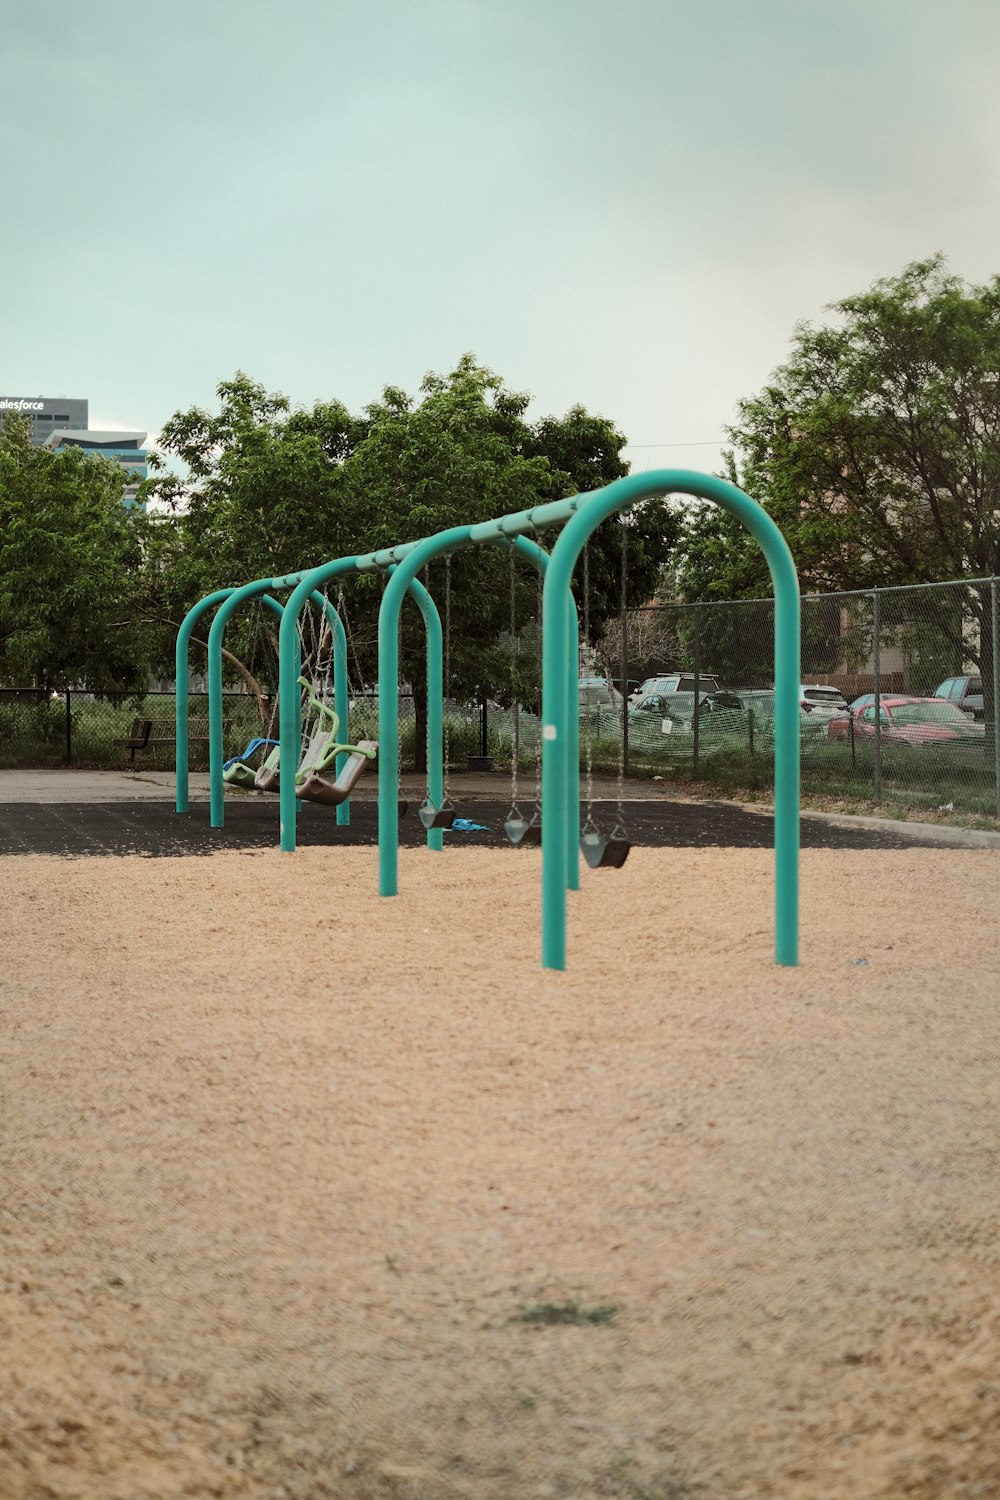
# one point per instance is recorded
(549, 1314)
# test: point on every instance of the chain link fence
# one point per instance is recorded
(918, 667)
(697, 704)
(39, 729)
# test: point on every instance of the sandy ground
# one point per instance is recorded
(283, 1166)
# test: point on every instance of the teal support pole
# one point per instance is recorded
(403, 575)
(622, 495)
(435, 709)
(572, 773)
(571, 815)
(182, 667)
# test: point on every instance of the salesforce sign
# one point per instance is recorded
(46, 414)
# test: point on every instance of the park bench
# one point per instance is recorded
(148, 734)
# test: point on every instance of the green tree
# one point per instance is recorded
(876, 449)
(271, 491)
(72, 568)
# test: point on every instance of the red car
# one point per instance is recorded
(908, 721)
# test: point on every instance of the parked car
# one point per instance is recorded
(597, 692)
(678, 708)
(966, 692)
(676, 682)
(926, 722)
(821, 701)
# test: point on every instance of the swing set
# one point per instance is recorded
(555, 821)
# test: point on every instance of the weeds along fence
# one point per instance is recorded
(39, 729)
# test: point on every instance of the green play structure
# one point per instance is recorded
(572, 521)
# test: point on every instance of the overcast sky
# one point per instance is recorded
(625, 203)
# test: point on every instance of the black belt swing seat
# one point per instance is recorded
(437, 817)
(524, 833)
(604, 853)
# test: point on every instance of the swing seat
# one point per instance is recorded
(604, 854)
(239, 775)
(236, 772)
(522, 833)
(318, 788)
(268, 777)
(436, 817)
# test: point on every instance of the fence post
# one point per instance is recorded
(697, 688)
(996, 691)
(69, 715)
(623, 674)
(876, 685)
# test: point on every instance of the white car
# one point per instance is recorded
(677, 682)
(819, 702)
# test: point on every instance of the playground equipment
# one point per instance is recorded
(578, 516)
(600, 852)
(521, 831)
(323, 750)
(236, 771)
(441, 814)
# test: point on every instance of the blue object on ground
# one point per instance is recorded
(462, 825)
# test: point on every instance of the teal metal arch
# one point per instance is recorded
(215, 713)
(509, 529)
(560, 727)
(182, 653)
(182, 664)
(288, 699)
(622, 495)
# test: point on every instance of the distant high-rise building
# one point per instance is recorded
(60, 422)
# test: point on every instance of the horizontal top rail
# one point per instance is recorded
(890, 588)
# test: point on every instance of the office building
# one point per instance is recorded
(60, 422)
(45, 413)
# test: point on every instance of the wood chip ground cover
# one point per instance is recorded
(283, 1163)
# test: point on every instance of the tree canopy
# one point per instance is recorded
(72, 568)
(271, 491)
(876, 447)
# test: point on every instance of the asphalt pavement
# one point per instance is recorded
(95, 813)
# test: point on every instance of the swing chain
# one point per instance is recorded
(619, 831)
(589, 826)
(446, 802)
(515, 811)
(538, 626)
